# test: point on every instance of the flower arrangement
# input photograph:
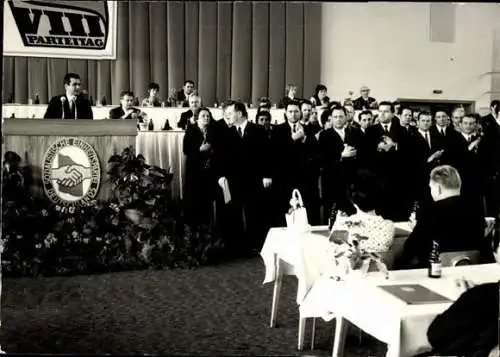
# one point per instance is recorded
(348, 253)
(140, 227)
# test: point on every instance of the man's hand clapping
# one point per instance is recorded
(348, 151)
(299, 133)
(205, 147)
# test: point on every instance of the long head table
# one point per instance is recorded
(159, 115)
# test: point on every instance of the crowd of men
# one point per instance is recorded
(262, 163)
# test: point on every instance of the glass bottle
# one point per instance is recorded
(104, 102)
(167, 125)
(37, 99)
(151, 125)
(434, 261)
(333, 216)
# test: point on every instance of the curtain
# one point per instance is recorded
(239, 50)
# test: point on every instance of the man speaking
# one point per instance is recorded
(70, 105)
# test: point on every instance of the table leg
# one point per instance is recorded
(313, 333)
(340, 334)
(302, 331)
(277, 289)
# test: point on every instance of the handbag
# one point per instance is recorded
(296, 218)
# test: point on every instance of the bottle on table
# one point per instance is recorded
(91, 101)
(136, 102)
(333, 216)
(167, 125)
(151, 125)
(103, 101)
(37, 99)
(434, 261)
(11, 98)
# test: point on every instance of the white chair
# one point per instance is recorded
(453, 259)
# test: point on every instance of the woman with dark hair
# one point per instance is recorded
(320, 98)
(365, 195)
(199, 182)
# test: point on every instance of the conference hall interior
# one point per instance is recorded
(250, 178)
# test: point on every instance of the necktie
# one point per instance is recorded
(427, 138)
(469, 139)
(294, 127)
(386, 129)
(240, 132)
(72, 106)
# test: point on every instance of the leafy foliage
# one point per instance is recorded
(139, 227)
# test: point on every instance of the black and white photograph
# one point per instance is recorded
(250, 178)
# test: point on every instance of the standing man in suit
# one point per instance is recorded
(462, 153)
(441, 127)
(493, 116)
(337, 151)
(246, 169)
(424, 154)
(71, 104)
(388, 146)
(296, 163)
(189, 116)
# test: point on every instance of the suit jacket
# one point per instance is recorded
(245, 160)
(387, 162)
(181, 97)
(330, 147)
(185, 121)
(361, 104)
(117, 113)
(467, 162)
(469, 327)
(296, 161)
(56, 107)
(454, 223)
(489, 151)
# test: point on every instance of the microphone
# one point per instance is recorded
(63, 100)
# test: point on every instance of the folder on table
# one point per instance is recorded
(415, 294)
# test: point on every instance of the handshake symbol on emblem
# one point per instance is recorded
(71, 175)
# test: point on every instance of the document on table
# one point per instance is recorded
(415, 294)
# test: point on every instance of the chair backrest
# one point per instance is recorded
(452, 259)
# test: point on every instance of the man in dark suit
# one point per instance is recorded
(337, 149)
(71, 104)
(311, 127)
(451, 221)
(387, 142)
(296, 163)
(489, 155)
(364, 102)
(462, 153)
(424, 153)
(469, 327)
(244, 166)
(493, 116)
(189, 116)
(441, 129)
(183, 95)
(126, 110)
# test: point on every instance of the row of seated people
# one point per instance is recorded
(264, 163)
(75, 104)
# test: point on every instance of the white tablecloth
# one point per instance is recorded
(303, 255)
(384, 316)
(159, 115)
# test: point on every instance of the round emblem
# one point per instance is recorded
(71, 172)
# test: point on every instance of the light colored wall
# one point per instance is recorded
(386, 46)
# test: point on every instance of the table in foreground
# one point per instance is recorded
(283, 253)
(403, 327)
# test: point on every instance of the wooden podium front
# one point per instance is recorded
(32, 138)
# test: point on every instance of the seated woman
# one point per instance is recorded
(364, 195)
(199, 189)
(152, 99)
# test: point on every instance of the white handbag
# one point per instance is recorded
(296, 218)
